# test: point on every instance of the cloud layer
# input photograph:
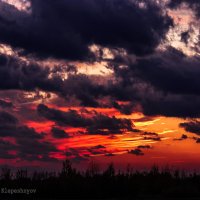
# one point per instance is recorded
(47, 54)
(66, 29)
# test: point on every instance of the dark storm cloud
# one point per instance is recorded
(170, 71)
(84, 89)
(193, 126)
(21, 75)
(5, 104)
(168, 81)
(5, 147)
(109, 154)
(75, 156)
(59, 133)
(7, 119)
(162, 83)
(29, 148)
(125, 109)
(17, 74)
(97, 151)
(35, 150)
(150, 134)
(172, 106)
(27, 133)
(11, 130)
(183, 137)
(144, 147)
(144, 119)
(152, 138)
(65, 29)
(28, 143)
(97, 124)
(165, 83)
(98, 147)
(102, 124)
(136, 152)
(198, 140)
(70, 118)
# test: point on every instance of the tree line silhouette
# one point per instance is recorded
(93, 183)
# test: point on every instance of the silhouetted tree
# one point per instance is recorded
(21, 174)
(94, 184)
(93, 169)
(6, 174)
(67, 170)
(110, 171)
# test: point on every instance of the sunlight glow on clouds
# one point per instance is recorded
(22, 5)
(185, 20)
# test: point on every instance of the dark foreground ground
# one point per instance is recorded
(93, 184)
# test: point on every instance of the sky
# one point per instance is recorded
(104, 81)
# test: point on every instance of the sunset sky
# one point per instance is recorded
(108, 81)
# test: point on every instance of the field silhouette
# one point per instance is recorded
(95, 184)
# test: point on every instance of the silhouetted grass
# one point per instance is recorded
(109, 184)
